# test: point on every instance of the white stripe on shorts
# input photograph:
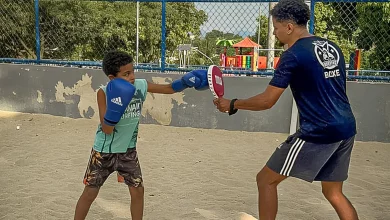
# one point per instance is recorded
(291, 157)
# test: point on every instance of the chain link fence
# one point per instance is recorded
(70, 30)
(235, 34)
(361, 29)
(17, 29)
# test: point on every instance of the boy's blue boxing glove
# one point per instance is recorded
(119, 93)
(202, 75)
(195, 78)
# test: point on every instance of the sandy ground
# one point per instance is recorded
(189, 174)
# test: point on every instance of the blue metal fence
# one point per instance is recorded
(348, 22)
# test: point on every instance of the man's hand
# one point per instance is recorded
(222, 104)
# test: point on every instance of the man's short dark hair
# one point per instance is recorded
(296, 11)
(114, 60)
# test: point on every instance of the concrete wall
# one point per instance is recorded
(71, 92)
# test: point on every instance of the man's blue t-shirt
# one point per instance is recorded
(315, 70)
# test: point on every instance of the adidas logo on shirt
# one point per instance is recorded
(192, 79)
(117, 101)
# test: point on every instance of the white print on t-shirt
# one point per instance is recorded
(133, 110)
(328, 57)
(332, 73)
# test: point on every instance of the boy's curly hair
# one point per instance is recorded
(292, 10)
(114, 60)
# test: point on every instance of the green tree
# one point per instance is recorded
(81, 30)
(183, 18)
(84, 30)
(337, 22)
(264, 36)
(357, 26)
(17, 29)
(374, 34)
(208, 46)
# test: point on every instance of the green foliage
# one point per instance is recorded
(78, 30)
(181, 19)
(336, 22)
(263, 40)
(357, 26)
(17, 29)
(374, 38)
(208, 46)
(84, 30)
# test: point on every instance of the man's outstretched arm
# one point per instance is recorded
(262, 101)
(279, 82)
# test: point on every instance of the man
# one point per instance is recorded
(321, 148)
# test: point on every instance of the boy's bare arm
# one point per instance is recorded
(160, 88)
(101, 100)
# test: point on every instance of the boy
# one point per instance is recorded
(114, 149)
(320, 150)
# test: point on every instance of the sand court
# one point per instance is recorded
(189, 173)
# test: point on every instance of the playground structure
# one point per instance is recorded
(185, 51)
(246, 60)
(250, 59)
(184, 55)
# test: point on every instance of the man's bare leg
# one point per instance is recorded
(137, 202)
(267, 182)
(86, 199)
(333, 192)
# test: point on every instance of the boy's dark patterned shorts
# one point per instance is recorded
(101, 165)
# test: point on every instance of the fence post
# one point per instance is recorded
(137, 41)
(163, 21)
(37, 32)
(312, 8)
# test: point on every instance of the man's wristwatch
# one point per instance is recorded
(232, 110)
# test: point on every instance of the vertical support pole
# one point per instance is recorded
(271, 39)
(312, 8)
(37, 32)
(258, 34)
(137, 43)
(163, 25)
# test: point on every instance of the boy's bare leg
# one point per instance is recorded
(267, 182)
(333, 192)
(86, 199)
(137, 202)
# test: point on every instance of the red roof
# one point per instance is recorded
(247, 43)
